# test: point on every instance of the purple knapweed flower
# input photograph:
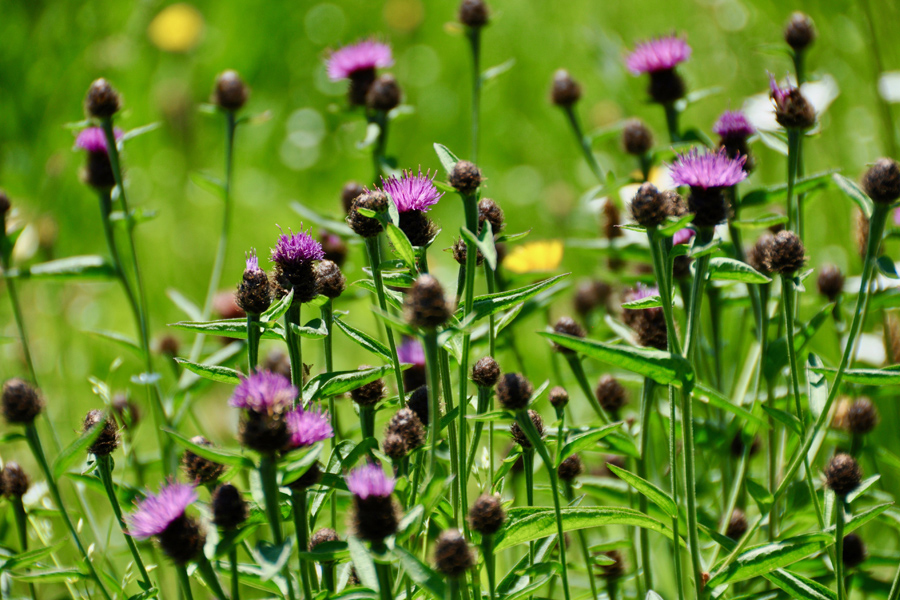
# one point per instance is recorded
(296, 249)
(264, 392)
(779, 95)
(411, 351)
(733, 124)
(251, 261)
(683, 236)
(93, 139)
(306, 427)
(658, 54)
(361, 56)
(368, 481)
(157, 511)
(708, 170)
(412, 192)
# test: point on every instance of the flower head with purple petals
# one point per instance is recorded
(658, 54)
(778, 94)
(411, 351)
(93, 139)
(157, 511)
(296, 249)
(412, 192)
(361, 56)
(252, 261)
(683, 236)
(264, 392)
(733, 124)
(708, 170)
(639, 293)
(369, 480)
(306, 427)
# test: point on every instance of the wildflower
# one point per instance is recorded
(637, 137)
(683, 236)
(198, 469)
(566, 91)
(108, 440)
(394, 446)
(799, 32)
(486, 516)
(460, 251)
(375, 516)
(757, 253)
(533, 257)
(330, 281)
(413, 196)
(231, 92)
(514, 391)
(264, 392)
(570, 468)
(792, 109)
(486, 372)
(648, 323)
(558, 397)
(362, 225)
(162, 516)
(253, 292)
(406, 424)
(452, 555)
(843, 475)
(465, 177)
(14, 481)
(830, 282)
(733, 129)
(294, 254)
(228, 507)
(611, 394)
(708, 175)
(785, 254)
(519, 434)
(411, 352)
(384, 94)
(21, 403)
(425, 306)
(368, 394)
(307, 427)
(357, 62)
(489, 211)
(882, 181)
(658, 58)
(102, 100)
(97, 172)
(473, 13)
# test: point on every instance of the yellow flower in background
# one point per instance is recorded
(177, 28)
(532, 257)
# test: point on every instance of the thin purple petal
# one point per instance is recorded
(708, 170)
(367, 54)
(264, 392)
(683, 236)
(93, 139)
(412, 192)
(411, 351)
(157, 511)
(733, 124)
(369, 480)
(295, 249)
(658, 54)
(307, 427)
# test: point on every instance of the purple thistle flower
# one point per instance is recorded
(296, 249)
(683, 236)
(733, 124)
(412, 192)
(778, 94)
(363, 55)
(157, 511)
(369, 480)
(93, 139)
(252, 261)
(412, 352)
(306, 427)
(709, 170)
(640, 292)
(264, 392)
(658, 54)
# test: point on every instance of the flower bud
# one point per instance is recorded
(417, 226)
(21, 403)
(862, 416)
(737, 525)
(486, 515)
(830, 282)
(331, 282)
(568, 326)
(407, 425)
(323, 536)
(756, 254)
(519, 434)
(799, 32)
(473, 13)
(108, 440)
(102, 101)
(198, 469)
(231, 92)
(253, 294)
(649, 206)
(792, 109)
(616, 569)
(98, 172)
(486, 372)
(452, 555)
(394, 446)
(854, 551)
(490, 211)
(368, 394)
(350, 192)
(882, 181)
(785, 254)
(843, 475)
(570, 468)
(460, 251)
(514, 391)
(13, 480)
(228, 507)
(465, 177)
(637, 137)
(384, 94)
(611, 394)
(425, 306)
(363, 226)
(418, 403)
(559, 397)
(566, 91)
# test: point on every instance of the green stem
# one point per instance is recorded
(20, 324)
(528, 464)
(253, 336)
(839, 507)
(793, 206)
(22, 528)
(582, 542)
(185, 582)
(492, 334)
(895, 586)
(235, 580)
(581, 378)
(105, 470)
(268, 477)
(643, 472)
(487, 550)
(379, 118)
(327, 312)
(484, 396)
(451, 436)
(294, 344)
(301, 525)
(384, 580)
(34, 442)
(584, 143)
(474, 35)
(374, 251)
(672, 122)
(434, 409)
(208, 574)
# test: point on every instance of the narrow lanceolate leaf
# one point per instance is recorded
(119, 338)
(662, 367)
(889, 376)
(231, 328)
(218, 455)
(763, 559)
(648, 302)
(421, 574)
(50, 575)
(277, 309)
(77, 450)
(800, 587)
(584, 440)
(23, 559)
(653, 493)
(211, 372)
(778, 192)
(715, 398)
(330, 225)
(363, 339)
(315, 329)
(855, 193)
(542, 523)
(447, 158)
(402, 246)
(363, 563)
(490, 304)
(729, 269)
(484, 241)
(335, 383)
(74, 267)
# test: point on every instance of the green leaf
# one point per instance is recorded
(817, 387)
(447, 158)
(77, 450)
(855, 193)
(213, 453)
(402, 246)
(29, 557)
(777, 355)
(137, 131)
(584, 440)
(496, 71)
(55, 575)
(420, 573)
(490, 304)
(662, 367)
(272, 558)
(211, 372)
(715, 398)
(294, 464)
(186, 305)
(336, 227)
(887, 267)
(785, 418)
(774, 193)
(879, 377)
(653, 493)
(363, 339)
(536, 524)
(763, 559)
(315, 329)
(209, 183)
(764, 500)
(696, 250)
(277, 309)
(673, 225)
(484, 241)
(74, 267)
(363, 563)
(231, 328)
(862, 488)
(800, 587)
(729, 269)
(648, 302)
(767, 220)
(332, 384)
(119, 338)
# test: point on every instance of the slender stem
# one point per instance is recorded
(235, 580)
(528, 464)
(839, 507)
(793, 205)
(643, 472)
(301, 525)
(327, 312)
(487, 550)
(581, 378)
(895, 586)
(584, 143)
(268, 476)
(474, 35)
(105, 470)
(451, 435)
(22, 528)
(492, 334)
(34, 441)
(672, 122)
(484, 395)
(374, 251)
(185, 582)
(384, 580)
(20, 324)
(208, 574)
(253, 336)
(294, 344)
(379, 117)
(434, 409)
(582, 542)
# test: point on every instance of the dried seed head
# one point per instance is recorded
(363, 226)
(350, 192)
(566, 91)
(611, 394)
(862, 416)
(570, 468)
(799, 32)
(182, 540)
(559, 397)
(637, 137)
(384, 94)
(486, 372)
(108, 440)
(452, 555)
(490, 211)
(519, 435)
(102, 100)
(418, 403)
(21, 403)
(465, 177)
(882, 181)
(13, 480)
(425, 306)
(648, 206)
(786, 254)
(228, 507)
(368, 394)
(514, 391)
(473, 13)
(568, 326)
(199, 469)
(394, 446)
(322, 536)
(231, 92)
(486, 515)
(737, 525)
(843, 474)
(329, 279)
(407, 425)
(615, 570)
(854, 551)
(756, 254)
(830, 282)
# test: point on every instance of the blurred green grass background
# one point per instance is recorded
(307, 149)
